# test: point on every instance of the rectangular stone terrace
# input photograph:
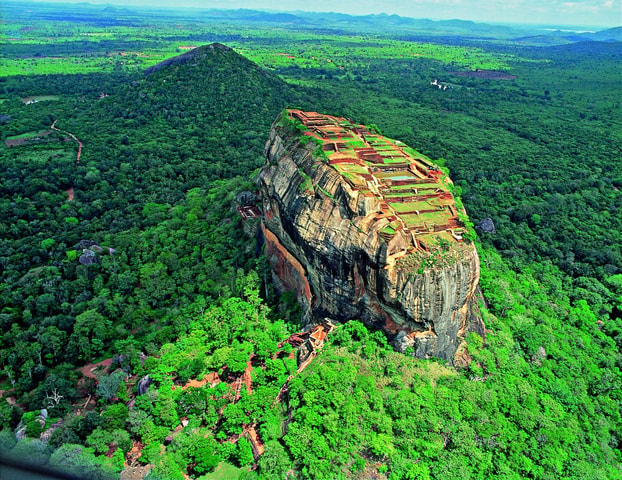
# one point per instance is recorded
(413, 193)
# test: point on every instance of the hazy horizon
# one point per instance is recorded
(599, 14)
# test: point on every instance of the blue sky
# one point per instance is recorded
(600, 13)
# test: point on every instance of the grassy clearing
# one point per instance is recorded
(398, 188)
(224, 471)
(37, 155)
(389, 229)
(391, 160)
(413, 220)
(328, 52)
(30, 135)
(410, 206)
(354, 143)
(48, 66)
(42, 98)
(389, 196)
(426, 187)
(349, 168)
(435, 218)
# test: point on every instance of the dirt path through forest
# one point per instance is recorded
(53, 127)
(72, 136)
(87, 370)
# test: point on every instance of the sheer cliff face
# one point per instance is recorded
(341, 246)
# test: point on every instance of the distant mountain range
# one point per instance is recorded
(379, 22)
(395, 23)
(563, 36)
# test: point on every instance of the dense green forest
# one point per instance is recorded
(136, 257)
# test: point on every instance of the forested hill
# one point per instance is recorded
(216, 85)
(149, 185)
(194, 57)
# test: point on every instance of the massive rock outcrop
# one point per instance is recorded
(363, 227)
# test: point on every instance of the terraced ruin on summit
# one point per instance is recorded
(410, 193)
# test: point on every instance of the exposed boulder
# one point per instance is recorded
(338, 240)
(539, 356)
(486, 226)
(88, 257)
(20, 431)
(246, 198)
(47, 434)
(143, 385)
(82, 244)
(91, 252)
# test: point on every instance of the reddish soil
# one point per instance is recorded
(87, 370)
(256, 443)
(211, 378)
(247, 378)
(249, 430)
(73, 137)
(489, 74)
(134, 453)
(8, 395)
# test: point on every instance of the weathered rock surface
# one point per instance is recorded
(486, 226)
(323, 240)
(143, 385)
